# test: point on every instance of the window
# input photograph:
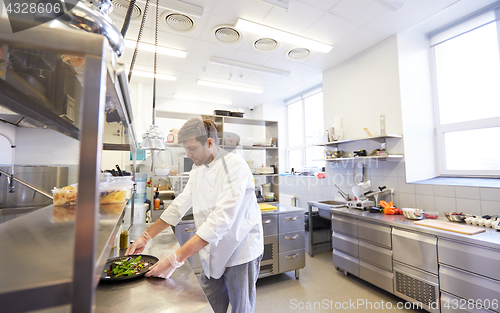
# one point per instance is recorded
(304, 130)
(467, 82)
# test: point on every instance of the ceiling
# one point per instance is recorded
(350, 26)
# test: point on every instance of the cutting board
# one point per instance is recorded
(267, 207)
(449, 226)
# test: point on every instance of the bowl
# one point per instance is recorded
(413, 214)
(338, 154)
(455, 217)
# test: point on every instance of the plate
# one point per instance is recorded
(144, 257)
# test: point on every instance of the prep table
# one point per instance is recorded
(38, 251)
(430, 266)
(181, 293)
(489, 238)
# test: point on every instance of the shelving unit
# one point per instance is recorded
(391, 157)
(61, 260)
(380, 139)
(270, 127)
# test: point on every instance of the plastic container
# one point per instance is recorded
(431, 215)
(141, 181)
(113, 193)
(125, 182)
(65, 196)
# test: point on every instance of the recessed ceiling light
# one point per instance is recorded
(265, 44)
(298, 53)
(178, 22)
(248, 66)
(160, 49)
(228, 86)
(151, 75)
(226, 34)
(282, 35)
(203, 99)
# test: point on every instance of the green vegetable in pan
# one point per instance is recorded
(126, 267)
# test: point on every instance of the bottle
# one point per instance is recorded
(157, 201)
(382, 125)
(124, 239)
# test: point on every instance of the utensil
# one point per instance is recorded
(120, 173)
(150, 259)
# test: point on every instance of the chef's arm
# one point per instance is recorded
(192, 246)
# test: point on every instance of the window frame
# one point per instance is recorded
(450, 32)
(302, 146)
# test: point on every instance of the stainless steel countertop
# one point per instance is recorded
(283, 208)
(490, 238)
(41, 245)
(180, 293)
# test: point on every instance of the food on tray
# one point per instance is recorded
(65, 196)
(126, 267)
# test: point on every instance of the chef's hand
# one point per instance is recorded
(139, 244)
(165, 267)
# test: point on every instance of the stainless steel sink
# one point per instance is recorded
(334, 203)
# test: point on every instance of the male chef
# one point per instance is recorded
(229, 234)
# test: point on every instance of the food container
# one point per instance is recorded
(221, 112)
(124, 182)
(114, 193)
(455, 217)
(413, 214)
(236, 114)
(269, 196)
(431, 215)
(65, 196)
(264, 170)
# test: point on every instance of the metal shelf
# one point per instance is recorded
(391, 157)
(60, 261)
(374, 138)
(43, 251)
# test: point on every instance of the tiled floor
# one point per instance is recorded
(321, 288)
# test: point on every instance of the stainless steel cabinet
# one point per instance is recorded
(376, 255)
(415, 285)
(375, 233)
(345, 225)
(284, 242)
(376, 276)
(476, 259)
(478, 289)
(345, 244)
(184, 231)
(415, 249)
(452, 304)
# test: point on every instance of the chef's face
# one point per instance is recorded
(198, 152)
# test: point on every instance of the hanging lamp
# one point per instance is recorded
(152, 139)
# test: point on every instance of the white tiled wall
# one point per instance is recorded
(472, 200)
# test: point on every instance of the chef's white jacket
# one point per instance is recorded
(225, 212)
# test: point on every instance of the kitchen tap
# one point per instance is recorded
(10, 178)
(343, 194)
